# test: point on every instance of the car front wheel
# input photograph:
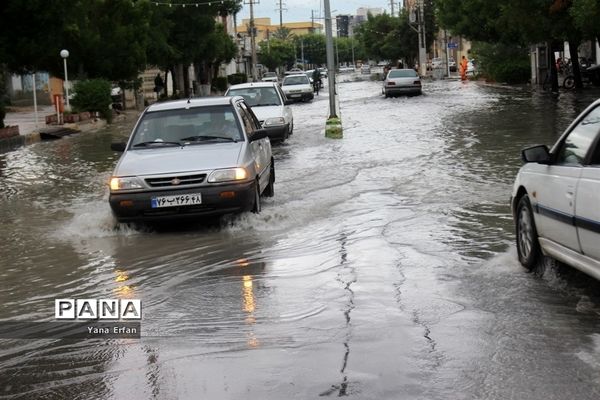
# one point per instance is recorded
(528, 247)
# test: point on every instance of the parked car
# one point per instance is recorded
(471, 68)
(323, 72)
(451, 64)
(297, 87)
(365, 69)
(270, 77)
(401, 81)
(556, 196)
(270, 105)
(192, 158)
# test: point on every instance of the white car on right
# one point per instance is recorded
(556, 198)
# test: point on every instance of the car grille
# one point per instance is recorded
(168, 181)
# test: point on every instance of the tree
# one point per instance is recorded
(32, 34)
(314, 48)
(391, 38)
(276, 53)
(283, 33)
(586, 14)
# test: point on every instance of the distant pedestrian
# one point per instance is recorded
(464, 65)
(158, 85)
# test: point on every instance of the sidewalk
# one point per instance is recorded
(24, 117)
(30, 132)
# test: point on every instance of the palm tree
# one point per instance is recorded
(283, 33)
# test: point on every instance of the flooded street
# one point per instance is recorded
(383, 268)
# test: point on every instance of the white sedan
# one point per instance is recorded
(297, 87)
(270, 106)
(556, 198)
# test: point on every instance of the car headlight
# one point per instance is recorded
(274, 121)
(308, 90)
(125, 183)
(226, 175)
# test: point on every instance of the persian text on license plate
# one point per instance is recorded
(188, 199)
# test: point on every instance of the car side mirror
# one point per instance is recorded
(538, 154)
(118, 146)
(258, 134)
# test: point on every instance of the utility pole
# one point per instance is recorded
(447, 55)
(281, 5)
(253, 40)
(352, 41)
(392, 6)
(330, 61)
(421, 32)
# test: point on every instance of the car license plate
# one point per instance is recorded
(295, 95)
(188, 199)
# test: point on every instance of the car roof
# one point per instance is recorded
(252, 85)
(291, 76)
(192, 103)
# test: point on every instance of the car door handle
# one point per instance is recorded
(570, 191)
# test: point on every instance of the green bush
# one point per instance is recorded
(220, 83)
(502, 63)
(235, 79)
(94, 96)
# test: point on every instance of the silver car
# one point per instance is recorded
(191, 158)
(401, 81)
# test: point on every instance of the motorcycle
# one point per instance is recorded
(589, 75)
(117, 98)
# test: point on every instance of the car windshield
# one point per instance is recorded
(187, 126)
(295, 80)
(257, 96)
(402, 73)
(270, 75)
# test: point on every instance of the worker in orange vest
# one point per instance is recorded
(464, 65)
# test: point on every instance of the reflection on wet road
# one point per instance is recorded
(383, 268)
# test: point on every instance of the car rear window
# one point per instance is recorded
(257, 96)
(186, 125)
(402, 73)
(296, 80)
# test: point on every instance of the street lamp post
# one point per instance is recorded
(65, 54)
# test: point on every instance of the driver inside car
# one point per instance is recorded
(220, 126)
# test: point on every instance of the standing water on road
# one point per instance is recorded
(383, 268)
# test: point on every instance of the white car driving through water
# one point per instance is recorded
(556, 198)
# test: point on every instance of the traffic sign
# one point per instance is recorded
(453, 45)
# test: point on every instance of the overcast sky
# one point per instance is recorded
(300, 10)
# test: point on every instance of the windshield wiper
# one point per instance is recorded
(199, 138)
(144, 144)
